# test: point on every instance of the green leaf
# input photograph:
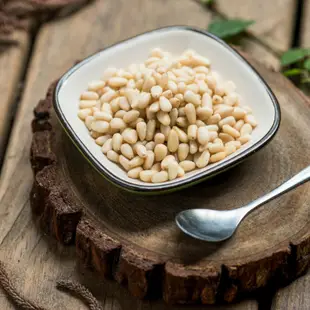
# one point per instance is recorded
(228, 28)
(293, 55)
(307, 64)
(292, 72)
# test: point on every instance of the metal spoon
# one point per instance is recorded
(215, 226)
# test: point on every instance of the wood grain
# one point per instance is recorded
(12, 61)
(305, 30)
(273, 19)
(35, 261)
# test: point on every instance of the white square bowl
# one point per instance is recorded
(225, 60)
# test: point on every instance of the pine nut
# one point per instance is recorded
(117, 82)
(173, 87)
(239, 124)
(193, 147)
(165, 130)
(156, 91)
(231, 131)
(229, 120)
(200, 123)
(181, 87)
(86, 104)
(215, 148)
(250, 119)
(131, 116)
(164, 104)
(203, 135)
(150, 146)
(134, 173)
(182, 135)
(127, 150)
(107, 146)
(141, 130)
(246, 129)
(163, 118)
(173, 116)
(156, 167)
(88, 121)
(118, 124)
(191, 97)
(146, 175)
(173, 170)
(229, 149)
(194, 88)
(104, 116)
(96, 85)
(183, 151)
(225, 137)
(225, 111)
(159, 138)
(187, 165)
(165, 162)
(238, 113)
(108, 96)
(160, 152)
(204, 113)
(100, 140)
(149, 160)
(244, 139)
(175, 102)
(135, 162)
(190, 113)
(113, 156)
(141, 151)
(117, 141)
(192, 132)
(154, 107)
(130, 135)
(148, 84)
(173, 141)
(237, 144)
(120, 114)
(100, 126)
(203, 159)
(124, 162)
(108, 73)
(217, 157)
(82, 114)
(214, 119)
(160, 177)
(89, 95)
(182, 121)
(212, 127)
(150, 129)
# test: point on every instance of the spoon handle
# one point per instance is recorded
(300, 178)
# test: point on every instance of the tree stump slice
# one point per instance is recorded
(134, 239)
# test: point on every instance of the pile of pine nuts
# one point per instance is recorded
(166, 117)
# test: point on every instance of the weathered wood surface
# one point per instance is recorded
(35, 260)
(305, 31)
(12, 61)
(274, 20)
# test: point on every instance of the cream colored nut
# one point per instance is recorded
(219, 91)
(82, 114)
(212, 127)
(181, 172)
(173, 87)
(215, 147)
(148, 84)
(204, 113)
(229, 149)
(181, 87)
(151, 60)
(131, 84)
(106, 108)
(173, 116)
(136, 162)
(203, 87)
(214, 119)
(225, 137)
(124, 162)
(203, 135)
(203, 159)
(150, 145)
(173, 170)
(246, 129)
(182, 121)
(190, 113)
(218, 140)
(183, 151)
(163, 118)
(132, 96)
(191, 97)
(156, 91)
(102, 139)
(181, 112)
(250, 119)
(193, 147)
(187, 165)
(124, 104)
(239, 124)
(130, 135)
(134, 123)
(118, 124)
(237, 144)
(108, 73)
(89, 95)
(96, 85)
(194, 88)
(88, 121)
(141, 130)
(146, 175)
(100, 126)
(216, 99)
(175, 102)
(86, 104)
(150, 129)
(159, 138)
(182, 135)
(231, 131)
(154, 107)
(238, 113)
(117, 82)
(134, 173)
(164, 104)
(117, 141)
(157, 52)
(127, 150)
(247, 109)
(156, 167)
(167, 94)
(143, 100)
(141, 151)
(95, 134)
(217, 157)
(165, 162)
(120, 114)
(173, 141)
(229, 120)
(160, 152)
(149, 114)
(160, 177)
(225, 111)
(165, 130)
(200, 123)
(149, 160)
(131, 116)
(212, 135)
(244, 139)
(201, 69)
(108, 96)
(207, 101)
(192, 132)
(107, 146)
(164, 80)
(103, 116)
(113, 156)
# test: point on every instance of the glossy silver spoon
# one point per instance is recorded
(216, 226)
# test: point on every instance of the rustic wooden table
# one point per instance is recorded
(34, 260)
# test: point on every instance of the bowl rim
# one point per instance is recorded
(182, 183)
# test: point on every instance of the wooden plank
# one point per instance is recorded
(36, 261)
(305, 30)
(293, 297)
(12, 60)
(273, 19)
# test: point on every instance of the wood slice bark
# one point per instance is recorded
(134, 240)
